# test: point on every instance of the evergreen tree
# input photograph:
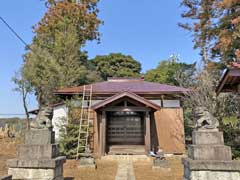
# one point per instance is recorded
(172, 72)
(117, 65)
(215, 25)
(54, 59)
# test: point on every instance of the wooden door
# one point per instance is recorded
(126, 129)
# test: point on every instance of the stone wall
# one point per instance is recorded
(6, 178)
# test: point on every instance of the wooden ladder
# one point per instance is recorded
(84, 123)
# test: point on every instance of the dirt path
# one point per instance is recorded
(125, 170)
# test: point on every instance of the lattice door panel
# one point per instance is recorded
(125, 130)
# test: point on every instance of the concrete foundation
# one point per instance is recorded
(211, 170)
(209, 159)
(38, 158)
(210, 175)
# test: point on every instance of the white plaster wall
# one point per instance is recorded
(174, 103)
(171, 103)
(59, 118)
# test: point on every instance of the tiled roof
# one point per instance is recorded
(230, 79)
(235, 65)
(137, 86)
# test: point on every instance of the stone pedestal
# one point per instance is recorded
(6, 178)
(88, 162)
(208, 158)
(38, 158)
(159, 163)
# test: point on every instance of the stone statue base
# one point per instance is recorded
(211, 170)
(38, 158)
(6, 178)
(161, 164)
(160, 161)
(208, 158)
(87, 162)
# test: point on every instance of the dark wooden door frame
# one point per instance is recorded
(103, 124)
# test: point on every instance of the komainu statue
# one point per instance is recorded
(204, 119)
(43, 119)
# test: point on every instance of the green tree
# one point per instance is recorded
(117, 65)
(172, 72)
(69, 132)
(215, 25)
(54, 59)
(199, 15)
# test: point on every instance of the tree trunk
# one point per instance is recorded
(24, 97)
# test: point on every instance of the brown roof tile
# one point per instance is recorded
(137, 86)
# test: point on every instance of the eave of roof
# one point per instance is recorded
(129, 95)
(35, 111)
(232, 71)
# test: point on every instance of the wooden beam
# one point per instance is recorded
(147, 133)
(95, 133)
(100, 135)
(222, 83)
(126, 109)
(103, 133)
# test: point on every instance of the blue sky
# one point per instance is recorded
(145, 29)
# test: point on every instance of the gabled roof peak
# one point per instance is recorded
(129, 95)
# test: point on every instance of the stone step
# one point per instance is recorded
(127, 157)
(127, 150)
(36, 163)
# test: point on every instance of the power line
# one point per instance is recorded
(13, 31)
(19, 37)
